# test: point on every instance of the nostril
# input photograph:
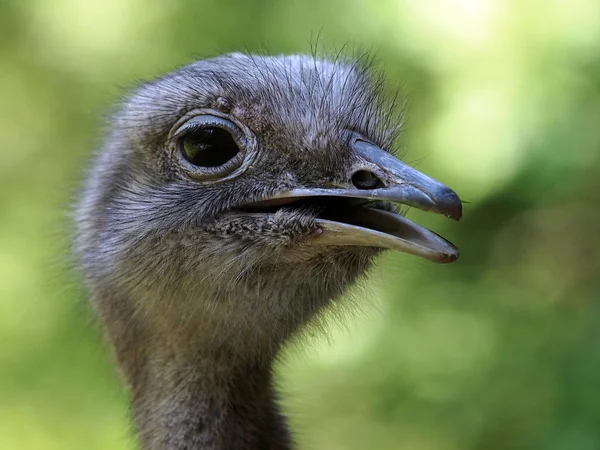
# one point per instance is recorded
(363, 179)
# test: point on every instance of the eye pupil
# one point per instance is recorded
(209, 147)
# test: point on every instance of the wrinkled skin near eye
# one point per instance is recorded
(210, 147)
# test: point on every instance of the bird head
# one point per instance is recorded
(245, 189)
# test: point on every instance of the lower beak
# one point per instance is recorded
(384, 229)
(366, 226)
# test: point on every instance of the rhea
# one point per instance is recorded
(232, 201)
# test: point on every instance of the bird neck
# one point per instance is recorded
(202, 380)
(203, 403)
(188, 395)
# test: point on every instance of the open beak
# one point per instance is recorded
(371, 226)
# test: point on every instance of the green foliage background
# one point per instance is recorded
(498, 351)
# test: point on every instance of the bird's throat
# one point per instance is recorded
(205, 405)
(189, 396)
(199, 368)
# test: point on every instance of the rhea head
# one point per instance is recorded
(238, 196)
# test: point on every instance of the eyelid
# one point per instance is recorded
(208, 121)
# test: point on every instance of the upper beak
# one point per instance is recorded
(407, 185)
(403, 184)
(399, 183)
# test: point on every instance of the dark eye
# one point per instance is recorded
(209, 146)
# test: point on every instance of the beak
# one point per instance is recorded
(374, 227)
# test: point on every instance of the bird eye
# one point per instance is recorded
(210, 146)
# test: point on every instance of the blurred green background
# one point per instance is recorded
(498, 351)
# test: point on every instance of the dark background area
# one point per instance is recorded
(498, 351)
